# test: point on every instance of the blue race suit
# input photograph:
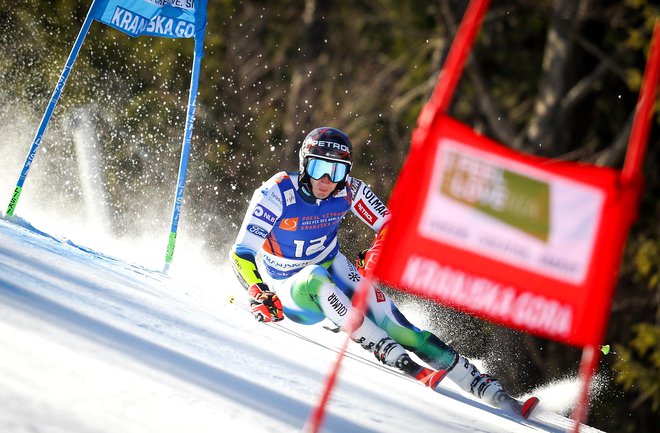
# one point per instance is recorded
(293, 242)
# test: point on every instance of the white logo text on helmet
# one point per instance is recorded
(331, 145)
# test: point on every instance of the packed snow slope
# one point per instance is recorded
(91, 343)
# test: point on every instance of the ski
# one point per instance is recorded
(522, 408)
(430, 378)
(426, 377)
(528, 407)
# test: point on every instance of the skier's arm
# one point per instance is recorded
(368, 257)
(264, 209)
(265, 305)
(370, 209)
(244, 264)
(367, 206)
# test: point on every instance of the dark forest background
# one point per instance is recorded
(558, 78)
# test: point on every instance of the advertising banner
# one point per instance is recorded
(519, 240)
(164, 18)
(526, 217)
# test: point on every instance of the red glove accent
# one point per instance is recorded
(266, 306)
(359, 262)
(367, 259)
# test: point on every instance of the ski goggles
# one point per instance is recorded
(336, 171)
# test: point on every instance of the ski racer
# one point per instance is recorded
(287, 256)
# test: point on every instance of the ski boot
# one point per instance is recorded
(391, 353)
(487, 388)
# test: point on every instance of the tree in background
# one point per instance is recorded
(558, 78)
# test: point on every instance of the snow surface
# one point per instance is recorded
(93, 343)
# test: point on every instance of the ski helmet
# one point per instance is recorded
(327, 144)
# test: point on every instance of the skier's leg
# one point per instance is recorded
(430, 349)
(426, 345)
(482, 385)
(299, 298)
(384, 313)
(312, 295)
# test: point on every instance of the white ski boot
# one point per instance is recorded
(374, 339)
(484, 386)
(489, 389)
(391, 353)
(337, 307)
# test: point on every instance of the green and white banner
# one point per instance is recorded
(497, 207)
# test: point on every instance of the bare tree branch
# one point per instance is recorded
(497, 121)
(541, 129)
(304, 70)
(615, 152)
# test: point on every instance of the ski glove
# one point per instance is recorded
(359, 262)
(265, 305)
(367, 258)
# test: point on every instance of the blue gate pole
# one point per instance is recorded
(185, 150)
(49, 110)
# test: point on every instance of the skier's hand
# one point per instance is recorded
(266, 306)
(367, 259)
(360, 261)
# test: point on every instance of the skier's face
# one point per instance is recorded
(323, 187)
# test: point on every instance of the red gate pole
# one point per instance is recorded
(631, 173)
(641, 127)
(588, 364)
